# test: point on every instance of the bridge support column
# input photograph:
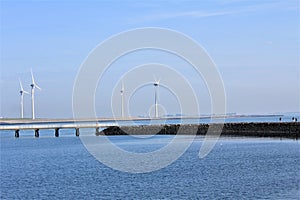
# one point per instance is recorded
(77, 132)
(56, 132)
(17, 134)
(36, 133)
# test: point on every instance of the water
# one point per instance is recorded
(61, 168)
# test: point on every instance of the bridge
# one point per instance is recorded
(55, 124)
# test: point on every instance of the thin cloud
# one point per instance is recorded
(190, 14)
(198, 14)
(193, 14)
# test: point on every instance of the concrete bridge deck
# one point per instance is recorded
(56, 125)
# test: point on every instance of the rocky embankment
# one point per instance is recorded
(282, 130)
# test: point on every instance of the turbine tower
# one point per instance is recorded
(33, 86)
(156, 85)
(22, 92)
(122, 100)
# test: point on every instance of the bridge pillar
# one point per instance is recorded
(77, 132)
(36, 133)
(56, 132)
(17, 134)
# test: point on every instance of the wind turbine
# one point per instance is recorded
(22, 92)
(33, 86)
(122, 100)
(156, 85)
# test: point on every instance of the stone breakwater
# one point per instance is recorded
(281, 130)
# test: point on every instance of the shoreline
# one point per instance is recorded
(273, 129)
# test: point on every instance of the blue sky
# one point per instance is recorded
(255, 44)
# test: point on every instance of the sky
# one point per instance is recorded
(255, 45)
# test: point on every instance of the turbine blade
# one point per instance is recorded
(25, 92)
(21, 85)
(156, 80)
(122, 86)
(38, 87)
(32, 78)
(154, 77)
(33, 82)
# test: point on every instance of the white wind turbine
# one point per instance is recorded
(22, 92)
(33, 86)
(156, 85)
(122, 100)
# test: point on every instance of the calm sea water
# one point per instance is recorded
(61, 168)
